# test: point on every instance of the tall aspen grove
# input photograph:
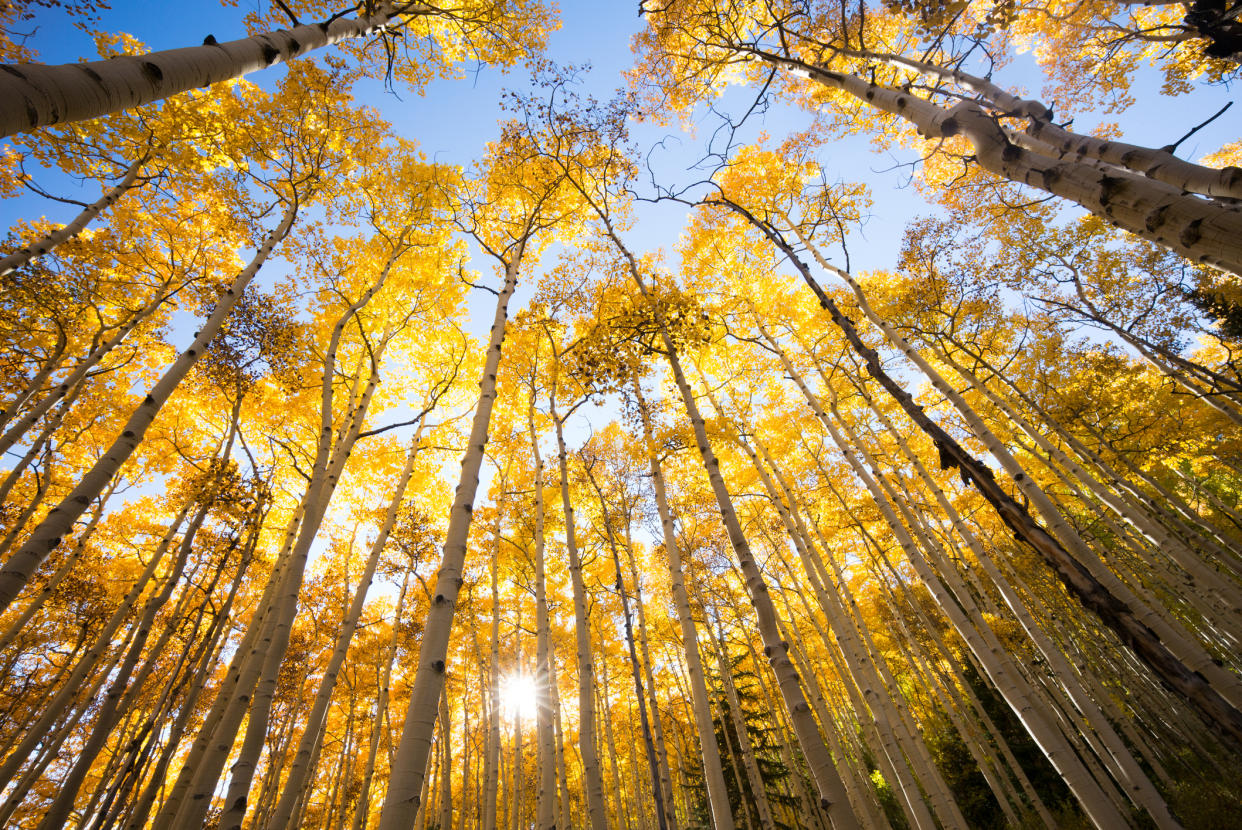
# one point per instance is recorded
(646, 415)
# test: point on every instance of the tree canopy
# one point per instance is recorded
(642, 461)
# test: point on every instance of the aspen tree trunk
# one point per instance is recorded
(491, 777)
(301, 771)
(978, 636)
(1200, 230)
(410, 761)
(657, 729)
(561, 774)
(36, 95)
(361, 810)
(73, 383)
(758, 790)
(545, 807)
(601, 695)
(653, 764)
(831, 789)
(48, 243)
(108, 713)
(1084, 583)
(593, 785)
(717, 790)
(17, 571)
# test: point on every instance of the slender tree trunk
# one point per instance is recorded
(593, 784)
(717, 790)
(410, 761)
(545, 810)
(49, 242)
(57, 524)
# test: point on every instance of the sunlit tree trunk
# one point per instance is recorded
(36, 95)
(19, 568)
(545, 807)
(410, 760)
(49, 242)
(593, 784)
(717, 790)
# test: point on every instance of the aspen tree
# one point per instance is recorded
(593, 781)
(545, 810)
(1094, 588)
(38, 95)
(408, 771)
(717, 790)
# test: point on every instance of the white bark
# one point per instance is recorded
(35, 95)
(410, 760)
(47, 535)
(49, 242)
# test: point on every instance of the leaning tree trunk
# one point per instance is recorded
(49, 242)
(1081, 582)
(36, 95)
(717, 790)
(47, 535)
(409, 765)
(1199, 229)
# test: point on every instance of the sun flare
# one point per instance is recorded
(518, 696)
